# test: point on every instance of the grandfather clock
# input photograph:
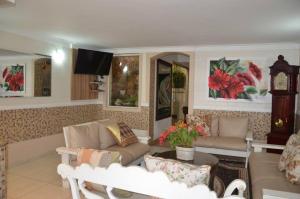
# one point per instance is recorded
(283, 90)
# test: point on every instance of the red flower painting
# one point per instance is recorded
(13, 78)
(230, 79)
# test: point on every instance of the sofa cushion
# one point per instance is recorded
(189, 174)
(124, 135)
(274, 184)
(293, 167)
(286, 155)
(83, 136)
(131, 152)
(233, 127)
(105, 137)
(265, 174)
(231, 143)
(209, 120)
(264, 165)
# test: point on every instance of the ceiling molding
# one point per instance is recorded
(151, 49)
(263, 46)
(266, 46)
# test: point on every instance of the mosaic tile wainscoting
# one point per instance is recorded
(136, 119)
(260, 122)
(25, 124)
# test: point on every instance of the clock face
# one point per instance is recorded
(281, 81)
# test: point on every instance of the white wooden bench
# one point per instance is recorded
(138, 180)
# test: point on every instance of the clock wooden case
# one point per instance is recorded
(284, 90)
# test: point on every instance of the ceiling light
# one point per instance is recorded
(58, 56)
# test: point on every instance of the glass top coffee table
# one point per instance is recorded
(199, 159)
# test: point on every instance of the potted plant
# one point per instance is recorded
(180, 137)
(178, 79)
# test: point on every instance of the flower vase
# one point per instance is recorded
(185, 153)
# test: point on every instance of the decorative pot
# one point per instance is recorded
(185, 153)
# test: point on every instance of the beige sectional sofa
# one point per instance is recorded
(95, 135)
(266, 179)
(229, 136)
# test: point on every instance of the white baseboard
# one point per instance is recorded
(24, 151)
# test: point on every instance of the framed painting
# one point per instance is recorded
(238, 80)
(163, 89)
(12, 80)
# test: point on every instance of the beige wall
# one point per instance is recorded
(61, 73)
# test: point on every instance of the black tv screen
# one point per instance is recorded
(93, 62)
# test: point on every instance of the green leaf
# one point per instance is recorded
(251, 90)
(222, 64)
(212, 93)
(263, 92)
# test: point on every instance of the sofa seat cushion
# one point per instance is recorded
(230, 143)
(131, 152)
(264, 165)
(266, 175)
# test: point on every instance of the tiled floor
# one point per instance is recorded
(38, 179)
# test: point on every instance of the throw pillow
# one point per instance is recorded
(84, 136)
(97, 159)
(123, 134)
(233, 127)
(189, 174)
(293, 167)
(206, 120)
(105, 137)
(286, 155)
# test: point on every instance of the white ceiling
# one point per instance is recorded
(145, 23)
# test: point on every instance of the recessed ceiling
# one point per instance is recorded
(141, 23)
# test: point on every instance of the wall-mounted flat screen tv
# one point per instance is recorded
(93, 62)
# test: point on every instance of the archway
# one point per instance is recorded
(152, 83)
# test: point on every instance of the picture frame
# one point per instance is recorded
(238, 80)
(12, 80)
(163, 89)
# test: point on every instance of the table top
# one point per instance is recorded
(199, 158)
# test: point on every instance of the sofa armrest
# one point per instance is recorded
(67, 151)
(273, 194)
(249, 136)
(258, 146)
(142, 135)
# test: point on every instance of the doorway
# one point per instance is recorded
(169, 91)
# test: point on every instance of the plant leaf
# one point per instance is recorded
(263, 92)
(251, 90)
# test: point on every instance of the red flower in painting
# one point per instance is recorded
(4, 72)
(8, 77)
(16, 81)
(253, 68)
(219, 80)
(234, 88)
(246, 79)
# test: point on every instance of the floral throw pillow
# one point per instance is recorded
(286, 155)
(203, 120)
(293, 167)
(189, 174)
